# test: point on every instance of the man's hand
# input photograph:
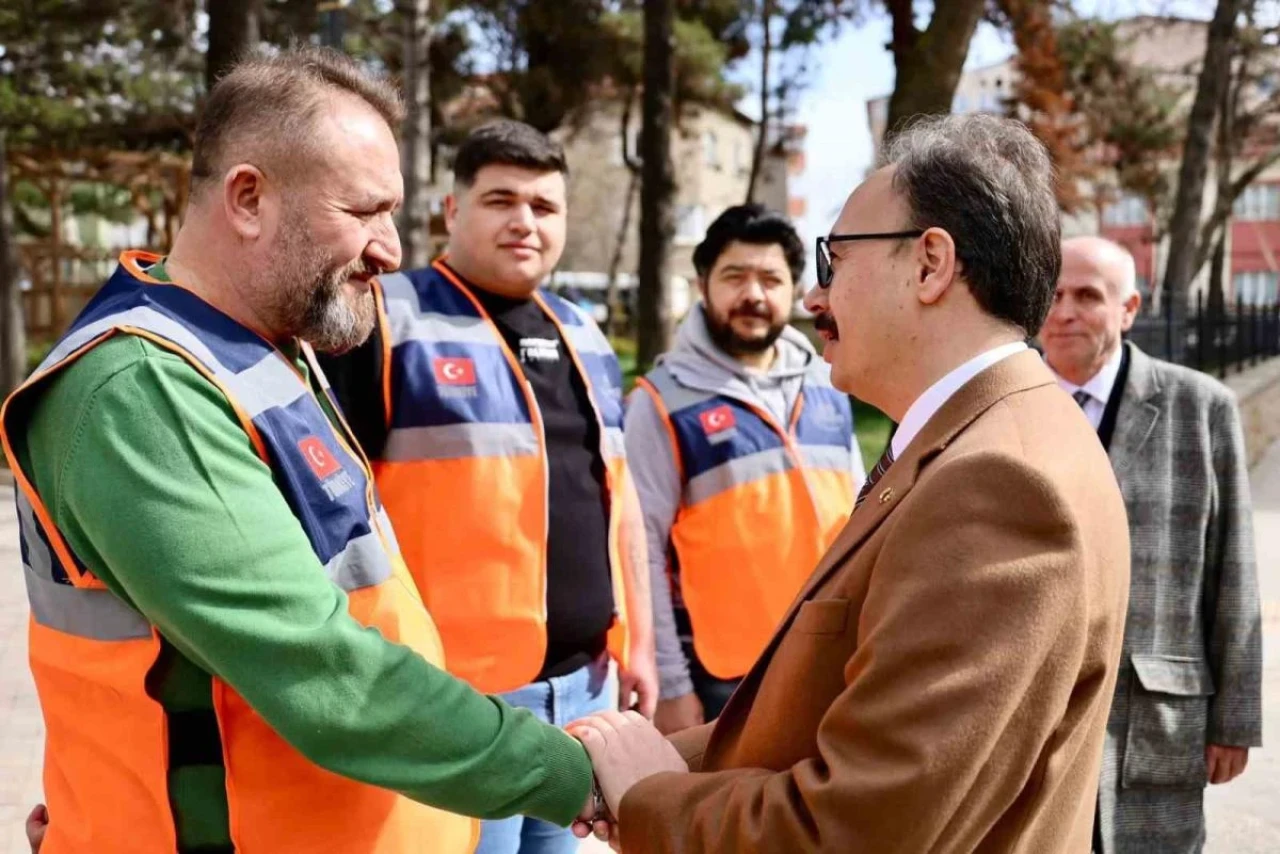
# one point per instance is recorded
(1225, 763)
(638, 684)
(37, 824)
(625, 749)
(678, 713)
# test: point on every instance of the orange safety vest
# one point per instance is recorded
(106, 750)
(759, 507)
(464, 471)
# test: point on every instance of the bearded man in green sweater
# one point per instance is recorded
(229, 653)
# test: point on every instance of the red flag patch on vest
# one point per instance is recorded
(454, 371)
(717, 420)
(318, 457)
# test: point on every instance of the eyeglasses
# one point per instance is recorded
(824, 249)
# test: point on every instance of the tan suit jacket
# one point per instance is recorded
(943, 681)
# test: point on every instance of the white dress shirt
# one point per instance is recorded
(941, 391)
(1098, 388)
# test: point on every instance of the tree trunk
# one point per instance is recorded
(233, 31)
(1184, 225)
(415, 153)
(657, 190)
(762, 139)
(613, 294)
(13, 339)
(1217, 275)
(928, 64)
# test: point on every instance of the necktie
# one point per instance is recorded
(1082, 397)
(882, 466)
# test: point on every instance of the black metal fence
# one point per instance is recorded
(1214, 338)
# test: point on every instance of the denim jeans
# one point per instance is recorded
(713, 692)
(559, 700)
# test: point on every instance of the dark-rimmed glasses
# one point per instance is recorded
(824, 249)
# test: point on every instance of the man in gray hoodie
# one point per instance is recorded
(745, 460)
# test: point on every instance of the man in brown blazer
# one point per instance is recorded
(942, 682)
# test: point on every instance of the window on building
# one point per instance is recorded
(711, 150)
(690, 223)
(1257, 287)
(1258, 202)
(1126, 211)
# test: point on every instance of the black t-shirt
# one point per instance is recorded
(579, 585)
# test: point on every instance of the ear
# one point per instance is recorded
(936, 265)
(1131, 306)
(243, 200)
(450, 212)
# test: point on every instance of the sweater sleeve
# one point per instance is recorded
(157, 488)
(657, 478)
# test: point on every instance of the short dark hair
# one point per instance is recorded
(989, 183)
(506, 142)
(267, 103)
(753, 224)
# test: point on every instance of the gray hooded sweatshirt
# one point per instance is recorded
(696, 361)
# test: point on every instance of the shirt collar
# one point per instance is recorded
(1101, 384)
(941, 391)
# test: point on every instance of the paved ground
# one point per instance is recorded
(1244, 817)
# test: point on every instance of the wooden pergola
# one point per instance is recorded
(63, 275)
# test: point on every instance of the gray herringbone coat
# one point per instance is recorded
(1191, 669)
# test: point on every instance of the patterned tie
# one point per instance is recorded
(1082, 397)
(882, 466)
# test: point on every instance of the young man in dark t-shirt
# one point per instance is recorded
(507, 228)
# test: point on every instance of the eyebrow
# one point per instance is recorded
(746, 268)
(504, 193)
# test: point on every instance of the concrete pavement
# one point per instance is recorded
(1244, 816)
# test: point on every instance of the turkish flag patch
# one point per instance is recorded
(717, 420)
(457, 370)
(318, 457)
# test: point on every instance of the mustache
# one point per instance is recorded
(751, 310)
(824, 322)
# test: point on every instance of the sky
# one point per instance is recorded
(854, 67)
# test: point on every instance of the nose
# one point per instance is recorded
(522, 219)
(817, 300)
(1062, 311)
(384, 251)
(753, 291)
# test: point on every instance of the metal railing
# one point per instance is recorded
(1214, 338)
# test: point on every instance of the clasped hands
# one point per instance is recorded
(625, 748)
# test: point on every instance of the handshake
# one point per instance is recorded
(624, 748)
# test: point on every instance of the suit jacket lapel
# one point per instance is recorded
(1014, 374)
(1137, 416)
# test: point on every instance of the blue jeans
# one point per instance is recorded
(559, 700)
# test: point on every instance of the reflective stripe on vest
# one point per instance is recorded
(464, 471)
(107, 773)
(760, 505)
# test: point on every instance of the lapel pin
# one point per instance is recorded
(886, 496)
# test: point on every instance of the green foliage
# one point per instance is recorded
(1130, 116)
(117, 72)
(699, 55)
(873, 428)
